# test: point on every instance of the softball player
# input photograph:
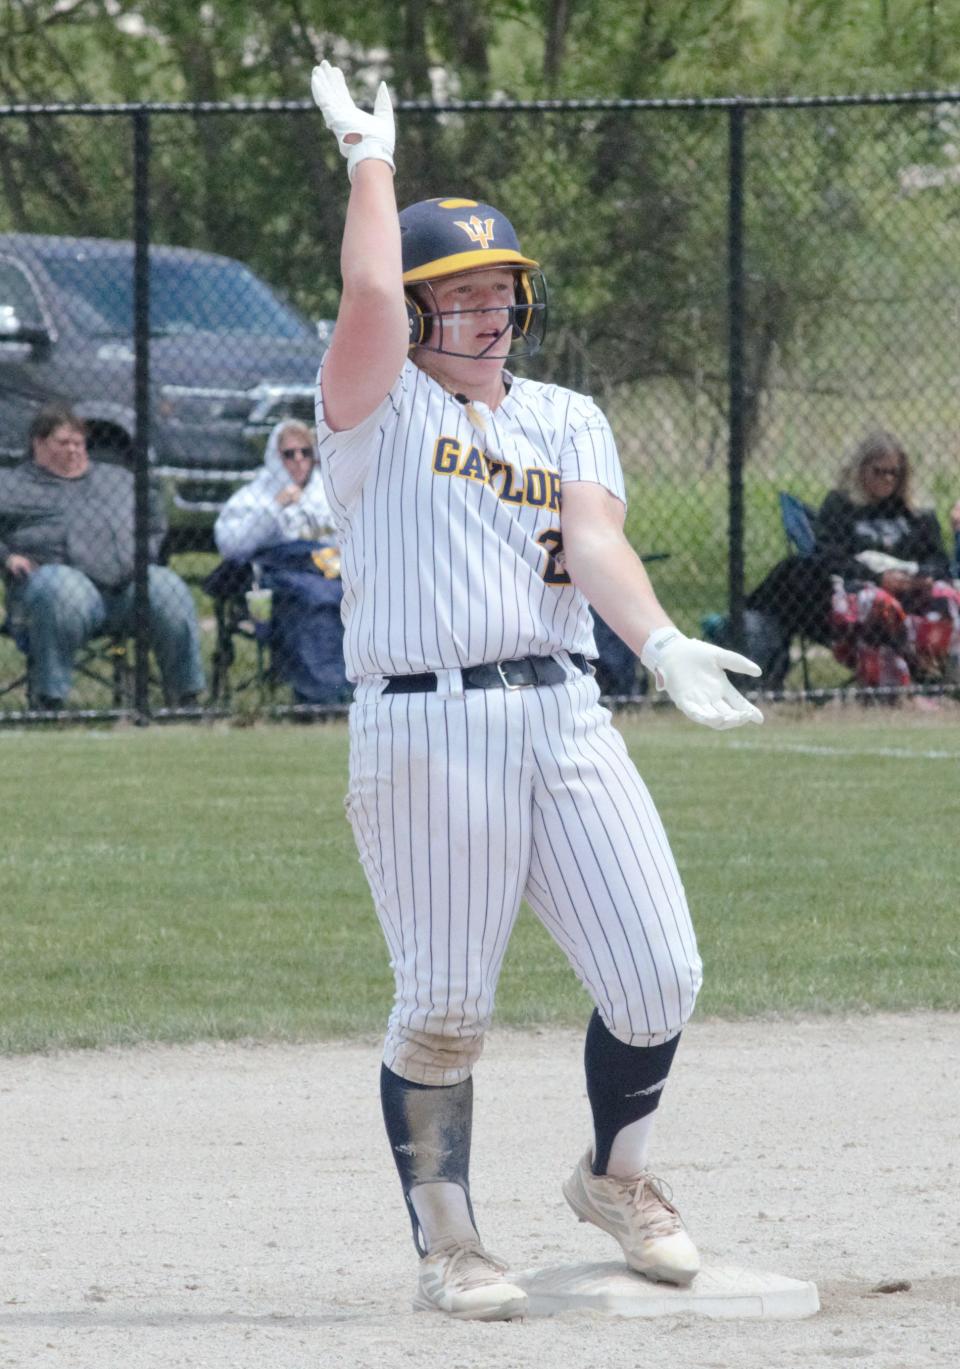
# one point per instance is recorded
(478, 513)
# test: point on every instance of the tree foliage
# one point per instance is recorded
(178, 49)
(629, 212)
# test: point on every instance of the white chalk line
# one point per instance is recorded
(898, 753)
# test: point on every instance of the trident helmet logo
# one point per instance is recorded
(477, 230)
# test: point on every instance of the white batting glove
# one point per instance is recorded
(693, 674)
(360, 135)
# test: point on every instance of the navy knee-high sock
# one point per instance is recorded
(623, 1083)
(429, 1128)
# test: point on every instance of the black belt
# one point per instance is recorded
(529, 670)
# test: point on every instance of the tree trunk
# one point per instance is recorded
(557, 26)
(412, 66)
(469, 37)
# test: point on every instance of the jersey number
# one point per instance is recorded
(552, 543)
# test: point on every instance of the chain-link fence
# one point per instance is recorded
(760, 295)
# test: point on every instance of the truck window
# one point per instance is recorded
(17, 295)
(185, 297)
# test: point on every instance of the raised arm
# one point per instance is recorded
(369, 344)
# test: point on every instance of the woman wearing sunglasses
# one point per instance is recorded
(284, 502)
(876, 589)
(895, 617)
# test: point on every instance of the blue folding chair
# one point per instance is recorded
(797, 518)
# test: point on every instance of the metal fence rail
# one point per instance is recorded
(750, 288)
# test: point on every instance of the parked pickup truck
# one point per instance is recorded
(228, 357)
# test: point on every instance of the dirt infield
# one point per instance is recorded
(230, 1207)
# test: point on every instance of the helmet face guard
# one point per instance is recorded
(447, 237)
(436, 330)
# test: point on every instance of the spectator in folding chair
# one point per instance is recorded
(67, 553)
(284, 502)
(281, 522)
(877, 589)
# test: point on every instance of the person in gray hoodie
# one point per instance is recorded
(67, 553)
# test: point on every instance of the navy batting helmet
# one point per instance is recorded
(446, 236)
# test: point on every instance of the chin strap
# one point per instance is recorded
(475, 416)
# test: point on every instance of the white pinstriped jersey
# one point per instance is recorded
(449, 534)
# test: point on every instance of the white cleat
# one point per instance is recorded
(466, 1281)
(635, 1211)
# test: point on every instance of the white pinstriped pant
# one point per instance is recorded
(462, 804)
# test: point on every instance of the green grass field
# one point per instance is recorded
(201, 882)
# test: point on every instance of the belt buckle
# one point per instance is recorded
(505, 682)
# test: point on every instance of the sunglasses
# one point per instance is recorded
(892, 472)
(288, 453)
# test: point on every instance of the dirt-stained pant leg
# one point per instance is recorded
(439, 801)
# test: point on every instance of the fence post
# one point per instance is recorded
(736, 324)
(141, 389)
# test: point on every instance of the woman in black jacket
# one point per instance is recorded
(877, 588)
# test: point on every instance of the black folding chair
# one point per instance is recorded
(300, 645)
(228, 585)
(105, 659)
